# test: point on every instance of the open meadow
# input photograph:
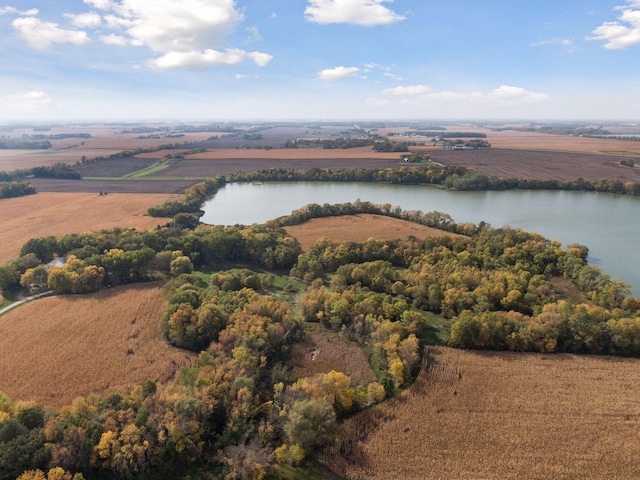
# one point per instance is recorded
(503, 415)
(57, 348)
(57, 214)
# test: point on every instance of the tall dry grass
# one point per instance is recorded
(502, 416)
(57, 348)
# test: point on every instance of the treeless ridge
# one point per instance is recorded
(57, 348)
(358, 228)
(57, 214)
(509, 416)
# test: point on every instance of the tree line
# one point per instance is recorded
(449, 176)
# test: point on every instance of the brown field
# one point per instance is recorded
(508, 416)
(57, 214)
(290, 154)
(325, 351)
(104, 141)
(358, 228)
(57, 348)
(538, 164)
(543, 141)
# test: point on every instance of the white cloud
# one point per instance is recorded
(359, 12)
(392, 76)
(186, 33)
(85, 20)
(114, 39)
(516, 95)
(566, 44)
(623, 33)
(408, 90)
(100, 4)
(40, 35)
(27, 13)
(504, 95)
(338, 73)
(196, 60)
(34, 98)
(254, 35)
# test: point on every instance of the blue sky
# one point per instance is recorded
(319, 59)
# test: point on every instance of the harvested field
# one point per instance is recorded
(365, 153)
(112, 186)
(104, 141)
(505, 415)
(358, 228)
(114, 168)
(543, 141)
(325, 351)
(57, 214)
(57, 348)
(538, 165)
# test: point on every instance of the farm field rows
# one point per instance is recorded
(504, 415)
(57, 348)
(538, 165)
(358, 228)
(57, 214)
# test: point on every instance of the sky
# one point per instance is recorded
(327, 60)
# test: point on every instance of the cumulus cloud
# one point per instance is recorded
(195, 60)
(338, 73)
(516, 95)
(84, 20)
(186, 33)
(359, 12)
(623, 33)
(113, 39)
(32, 99)
(40, 35)
(408, 90)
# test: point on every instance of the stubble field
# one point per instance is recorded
(57, 348)
(508, 416)
(57, 214)
(358, 228)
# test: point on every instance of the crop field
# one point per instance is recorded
(538, 164)
(57, 348)
(541, 141)
(58, 214)
(358, 228)
(105, 140)
(503, 415)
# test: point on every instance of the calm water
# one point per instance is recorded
(608, 224)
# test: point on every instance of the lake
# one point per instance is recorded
(608, 224)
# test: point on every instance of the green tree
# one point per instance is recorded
(311, 423)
